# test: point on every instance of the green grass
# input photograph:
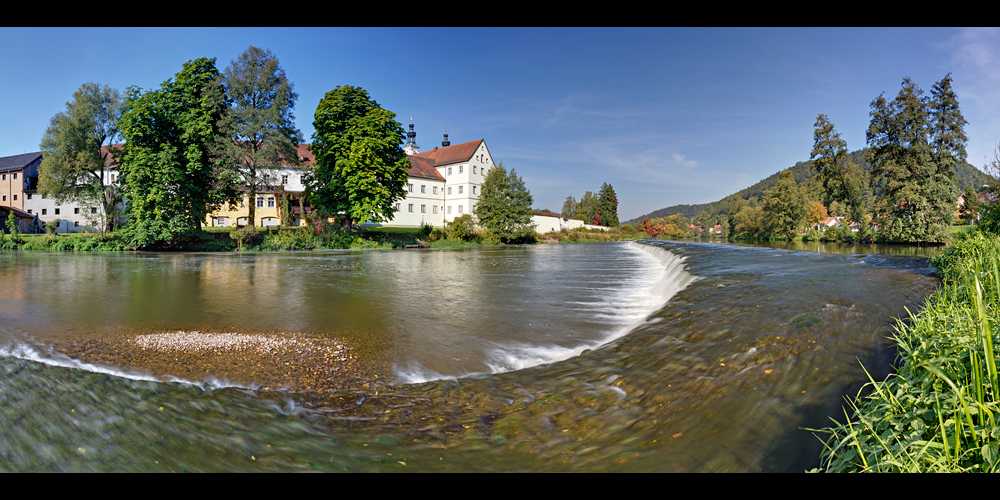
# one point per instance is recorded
(939, 411)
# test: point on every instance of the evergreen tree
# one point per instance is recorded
(842, 179)
(913, 143)
(504, 207)
(361, 168)
(607, 206)
(167, 167)
(587, 208)
(569, 207)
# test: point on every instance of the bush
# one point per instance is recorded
(462, 228)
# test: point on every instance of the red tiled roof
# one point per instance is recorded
(548, 214)
(423, 167)
(451, 154)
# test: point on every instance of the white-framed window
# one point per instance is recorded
(460, 189)
(449, 190)
(473, 189)
(45, 211)
(76, 210)
(449, 170)
(260, 202)
(460, 168)
(423, 188)
(28, 196)
(411, 207)
(473, 169)
(270, 202)
(57, 211)
(435, 190)
(460, 209)
(435, 209)
(284, 179)
(409, 187)
(423, 209)
(3, 177)
(398, 205)
(449, 209)
(15, 176)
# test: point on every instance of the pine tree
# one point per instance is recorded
(607, 203)
(913, 143)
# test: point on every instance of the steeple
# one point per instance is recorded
(446, 142)
(411, 141)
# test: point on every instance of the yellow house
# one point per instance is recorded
(266, 211)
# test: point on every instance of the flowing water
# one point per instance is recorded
(654, 356)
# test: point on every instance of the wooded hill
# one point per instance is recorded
(803, 173)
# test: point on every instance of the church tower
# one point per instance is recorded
(411, 147)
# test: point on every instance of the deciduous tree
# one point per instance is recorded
(784, 207)
(361, 168)
(569, 207)
(842, 180)
(168, 171)
(504, 207)
(76, 151)
(257, 133)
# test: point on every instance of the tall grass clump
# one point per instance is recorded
(939, 411)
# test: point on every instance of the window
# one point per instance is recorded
(409, 187)
(473, 189)
(270, 202)
(29, 211)
(473, 169)
(93, 210)
(3, 198)
(460, 209)
(460, 168)
(57, 211)
(284, 179)
(15, 197)
(449, 209)
(15, 175)
(260, 202)
(460, 189)
(45, 211)
(423, 188)
(76, 210)
(112, 177)
(411, 207)
(76, 223)
(397, 206)
(435, 209)
(28, 196)
(449, 190)
(449, 170)
(3, 177)
(423, 209)
(435, 190)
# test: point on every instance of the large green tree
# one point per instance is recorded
(785, 207)
(76, 151)
(607, 206)
(587, 208)
(257, 132)
(168, 170)
(361, 168)
(504, 207)
(569, 207)
(914, 143)
(843, 180)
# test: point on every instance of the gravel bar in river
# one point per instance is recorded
(286, 361)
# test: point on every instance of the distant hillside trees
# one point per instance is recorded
(914, 144)
(600, 209)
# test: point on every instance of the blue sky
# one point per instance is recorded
(666, 116)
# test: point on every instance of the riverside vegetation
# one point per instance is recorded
(939, 411)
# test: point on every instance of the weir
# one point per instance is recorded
(656, 356)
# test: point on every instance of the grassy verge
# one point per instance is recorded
(939, 411)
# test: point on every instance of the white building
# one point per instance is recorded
(443, 183)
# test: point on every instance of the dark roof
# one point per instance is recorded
(17, 212)
(17, 162)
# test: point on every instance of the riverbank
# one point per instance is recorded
(938, 412)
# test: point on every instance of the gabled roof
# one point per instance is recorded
(423, 167)
(17, 162)
(451, 154)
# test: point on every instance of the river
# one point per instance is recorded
(621, 357)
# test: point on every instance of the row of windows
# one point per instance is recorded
(270, 202)
(423, 189)
(423, 208)
(3, 177)
(475, 169)
(76, 211)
